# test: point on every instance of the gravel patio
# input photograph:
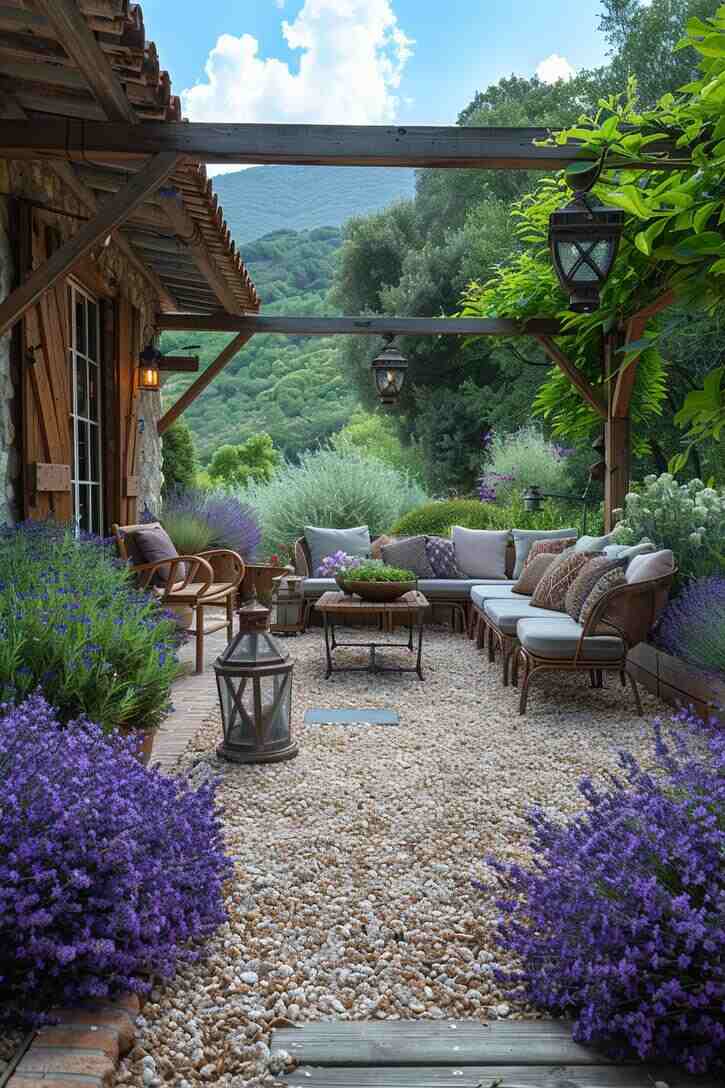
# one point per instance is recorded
(353, 896)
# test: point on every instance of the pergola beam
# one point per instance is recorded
(358, 326)
(111, 215)
(627, 372)
(452, 146)
(574, 375)
(225, 356)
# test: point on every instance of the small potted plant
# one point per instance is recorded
(375, 581)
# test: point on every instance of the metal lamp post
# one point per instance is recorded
(533, 498)
(254, 680)
(389, 368)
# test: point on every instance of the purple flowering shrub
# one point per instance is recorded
(693, 625)
(197, 520)
(73, 624)
(108, 870)
(337, 563)
(620, 923)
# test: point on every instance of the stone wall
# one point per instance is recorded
(38, 182)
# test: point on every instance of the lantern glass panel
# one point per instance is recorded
(255, 710)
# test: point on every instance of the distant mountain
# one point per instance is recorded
(265, 199)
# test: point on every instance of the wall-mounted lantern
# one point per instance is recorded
(149, 374)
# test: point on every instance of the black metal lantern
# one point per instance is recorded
(584, 238)
(532, 500)
(389, 369)
(254, 680)
(149, 374)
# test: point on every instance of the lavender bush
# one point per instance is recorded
(197, 520)
(621, 921)
(693, 625)
(108, 870)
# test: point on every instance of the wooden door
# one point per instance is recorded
(46, 394)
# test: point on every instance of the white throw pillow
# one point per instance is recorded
(481, 553)
(593, 543)
(643, 568)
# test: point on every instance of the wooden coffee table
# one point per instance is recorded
(338, 607)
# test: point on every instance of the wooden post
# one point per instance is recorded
(617, 437)
(203, 380)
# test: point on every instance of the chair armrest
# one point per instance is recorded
(194, 564)
(227, 553)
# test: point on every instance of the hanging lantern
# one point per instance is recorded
(254, 680)
(149, 374)
(583, 238)
(288, 604)
(389, 369)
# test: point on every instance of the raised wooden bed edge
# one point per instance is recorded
(676, 682)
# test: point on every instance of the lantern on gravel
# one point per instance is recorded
(254, 680)
(288, 604)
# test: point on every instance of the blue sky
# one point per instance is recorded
(361, 61)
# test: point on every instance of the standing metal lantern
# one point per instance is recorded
(288, 604)
(254, 680)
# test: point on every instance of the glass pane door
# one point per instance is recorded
(85, 418)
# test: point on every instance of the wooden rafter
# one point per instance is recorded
(191, 237)
(451, 146)
(187, 364)
(574, 375)
(203, 380)
(627, 372)
(359, 326)
(111, 215)
(79, 42)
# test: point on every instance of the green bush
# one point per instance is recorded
(518, 461)
(72, 623)
(436, 518)
(178, 456)
(235, 466)
(332, 489)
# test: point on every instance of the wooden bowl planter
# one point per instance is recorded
(378, 591)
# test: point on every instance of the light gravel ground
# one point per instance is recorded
(353, 896)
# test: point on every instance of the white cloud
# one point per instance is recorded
(352, 56)
(554, 68)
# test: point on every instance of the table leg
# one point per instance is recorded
(420, 647)
(326, 627)
(373, 664)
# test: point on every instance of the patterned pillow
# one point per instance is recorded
(441, 552)
(607, 581)
(532, 573)
(552, 589)
(409, 554)
(549, 547)
(585, 581)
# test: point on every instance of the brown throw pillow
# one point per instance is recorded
(585, 581)
(607, 581)
(376, 548)
(408, 554)
(548, 547)
(154, 543)
(551, 590)
(534, 570)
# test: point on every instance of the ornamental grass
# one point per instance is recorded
(110, 873)
(620, 922)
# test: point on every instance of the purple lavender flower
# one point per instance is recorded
(108, 870)
(230, 523)
(620, 923)
(693, 625)
(337, 563)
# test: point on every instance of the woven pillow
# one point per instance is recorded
(549, 547)
(409, 554)
(441, 552)
(534, 570)
(607, 581)
(552, 589)
(585, 581)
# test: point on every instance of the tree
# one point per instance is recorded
(178, 456)
(256, 459)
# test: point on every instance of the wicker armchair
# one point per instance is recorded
(619, 621)
(210, 579)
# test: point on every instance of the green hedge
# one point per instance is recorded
(436, 518)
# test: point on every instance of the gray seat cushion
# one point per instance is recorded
(558, 637)
(315, 587)
(506, 613)
(452, 589)
(484, 591)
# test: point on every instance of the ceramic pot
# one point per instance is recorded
(145, 739)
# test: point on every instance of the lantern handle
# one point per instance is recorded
(584, 181)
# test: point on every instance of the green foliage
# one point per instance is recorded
(189, 533)
(374, 434)
(379, 572)
(73, 625)
(688, 518)
(178, 456)
(330, 488)
(437, 518)
(524, 459)
(256, 459)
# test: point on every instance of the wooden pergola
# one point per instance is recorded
(149, 153)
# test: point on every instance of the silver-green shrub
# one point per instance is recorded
(518, 461)
(688, 518)
(332, 488)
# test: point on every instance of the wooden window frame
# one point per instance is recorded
(76, 288)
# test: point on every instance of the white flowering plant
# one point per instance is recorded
(688, 518)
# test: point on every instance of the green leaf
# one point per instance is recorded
(699, 245)
(718, 268)
(645, 238)
(702, 215)
(586, 166)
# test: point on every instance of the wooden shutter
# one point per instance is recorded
(47, 447)
(129, 346)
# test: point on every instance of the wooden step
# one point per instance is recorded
(487, 1076)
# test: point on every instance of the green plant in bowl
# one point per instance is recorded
(377, 582)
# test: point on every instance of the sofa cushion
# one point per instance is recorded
(551, 591)
(154, 544)
(505, 613)
(452, 589)
(585, 582)
(480, 553)
(409, 554)
(595, 544)
(628, 551)
(322, 542)
(524, 538)
(643, 568)
(441, 552)
(609, 579)
(483, 591)
(534, 570)
(559, 636)
(315, 587)
(549, 547)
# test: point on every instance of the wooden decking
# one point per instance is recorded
(460, 1053)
